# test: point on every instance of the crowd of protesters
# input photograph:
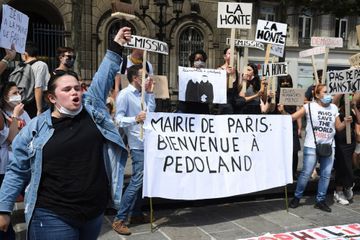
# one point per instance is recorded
(69, 185)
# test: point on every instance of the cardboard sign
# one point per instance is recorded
(345, 81)
(195, 151)
(275, 69)
(161, 89)
(358, 33)
(148, 44)
(234, 15)
(292, 96)
(246, 43)
(329, 42)
(14, 29)
(202, 85)
(271, 32)
(342, 232)
(312, 52)
(277, 50)
(355, 60)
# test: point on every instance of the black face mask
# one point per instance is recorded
(69, 63)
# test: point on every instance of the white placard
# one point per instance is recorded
(202, 85)
(345, 81)
(292, 96)
(148, 44)
(329, 42)
(247, 43)
(355, 60)
(312, 52)
(275, 69)
(271, 32)
(14, 29)
(192, 156)
(234, 15)
(277, 50)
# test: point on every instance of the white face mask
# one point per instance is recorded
(199, 64)
(68, 113)
(14, 100)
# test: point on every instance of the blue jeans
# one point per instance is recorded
(131, 193)
(326, 164)
(45, 224)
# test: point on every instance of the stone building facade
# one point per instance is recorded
(88, 26)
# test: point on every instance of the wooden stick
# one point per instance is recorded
(151, 216)
(347, 113)
(273, 83)
(143, 80)
(286, 199)
(232, 57)
(246, 61)
(358, 33)
(314, 69)
(267, 57)
(323, 79)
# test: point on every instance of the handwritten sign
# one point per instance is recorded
(234, 15)
(275, 69)
(271, 32)
(247, 43)
(148, 44)
(292, 96)
(312, 52)
(277, 50)
(345, 81)
(202, 85)
(329, 42)
(342, 232)
(192, 152)
(14, 28)
(355, 60)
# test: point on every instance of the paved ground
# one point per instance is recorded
(237, 220)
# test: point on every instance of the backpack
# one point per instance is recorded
(24, 78)
(124, 65)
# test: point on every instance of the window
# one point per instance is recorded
(267, 13)
(191, 39)
(114, 28)
(305, 27)
(341, 28)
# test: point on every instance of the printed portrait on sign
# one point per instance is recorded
(199, 91)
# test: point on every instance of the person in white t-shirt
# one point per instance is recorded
(324, 117)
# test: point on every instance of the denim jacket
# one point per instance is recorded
(26, 166)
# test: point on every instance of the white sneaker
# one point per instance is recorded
(339, 197)
(348, 192)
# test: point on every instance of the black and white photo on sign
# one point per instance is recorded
(234, 15)
(14, 29)
(270, 32)
(202, 85)
(345, 81)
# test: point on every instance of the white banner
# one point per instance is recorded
(311, 52)
(329, 42)
(234, 15)
(189, 156)
(246, 43)
(271, 32)
(14, 29)
(275, 69)
(345, 81)
(148, 44)
(202, 85)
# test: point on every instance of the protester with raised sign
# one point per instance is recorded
(130, 116)
(249, 102)
(344, 177)
(9, 56)
(322, 121)
(69, 183)
(197, 60)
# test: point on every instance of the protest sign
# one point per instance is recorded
(277, 50)
(292, 96)
(148, 44)
(193, 152)
(275, 69)
(345, 81)
(14, 28)
(355, 60)
(202, 85)
(339, 232)
(234, 15)
(330, 42)
(312, 51)
(247, 43)
(161, 89)
(270, 32)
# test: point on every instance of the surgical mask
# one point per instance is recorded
(199, 64)
(69, 63)
(14, 100)
(68, 113)
(326, 99)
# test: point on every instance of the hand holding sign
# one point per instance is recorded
(123, 36)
